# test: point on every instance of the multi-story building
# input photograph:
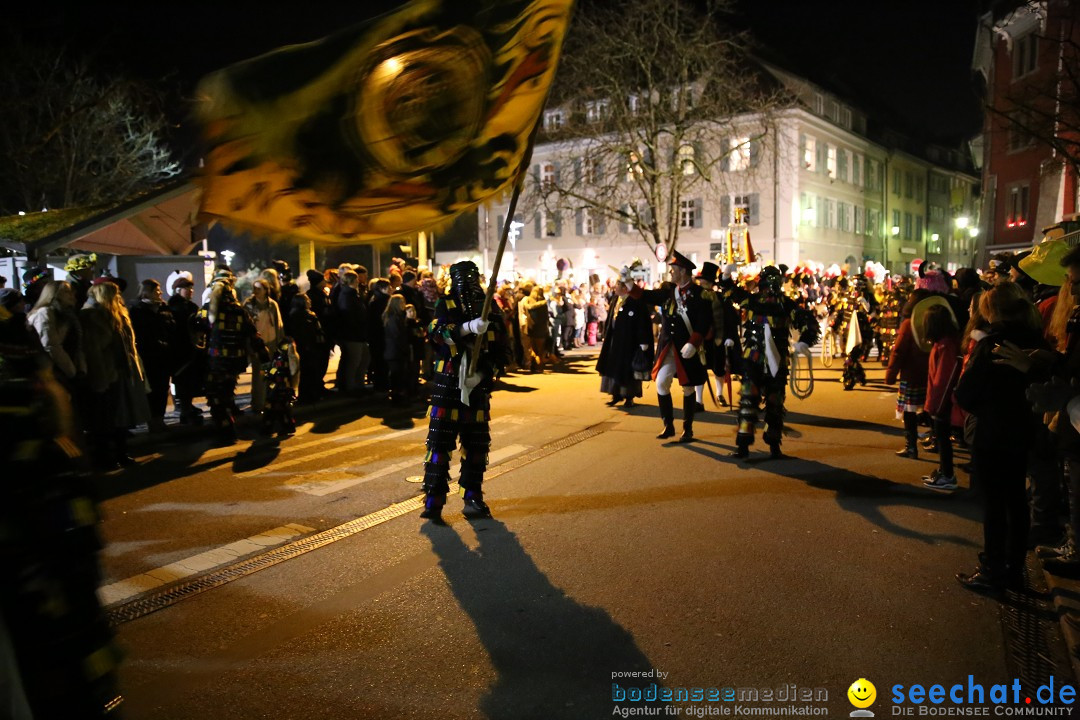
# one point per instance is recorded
(814, 188)
(1027, 54)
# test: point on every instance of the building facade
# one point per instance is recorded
(1028, 181)
(814, 188)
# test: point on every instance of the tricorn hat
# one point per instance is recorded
(681, 260)
(1043, 264)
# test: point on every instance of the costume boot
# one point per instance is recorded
(475, 507)
(667, 414)
(689, 405)
(433, 505)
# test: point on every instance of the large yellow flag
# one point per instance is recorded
(384, 129)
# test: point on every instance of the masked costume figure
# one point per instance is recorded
(460, 404)
(767, 317)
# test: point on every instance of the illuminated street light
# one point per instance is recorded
(962, 222)
(895, 230)
(974, 232)
(228, 255)
(935, 237)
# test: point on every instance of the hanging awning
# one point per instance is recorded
(155, 223)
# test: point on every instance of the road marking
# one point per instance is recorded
(223, 555)
(321, 489)
(279, 465)
(244, 445)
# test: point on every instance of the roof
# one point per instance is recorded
(154, 223)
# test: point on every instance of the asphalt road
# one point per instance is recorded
(610, 552)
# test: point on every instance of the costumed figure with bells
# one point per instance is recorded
(460, 402)
(767, 318)
(855, 310)
(687, 319)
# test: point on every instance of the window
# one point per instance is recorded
(918, 188)
(819, 104)
(872, 182)
(843, 216)
(937, 214)
(845, 117)
(688, 213)
(1017, 206)
(909, 185)
(1025, 55)
(553, 119)
(873, 223)
(594, 172)
(842, 165)
(633, 103)
(830, 161)
(548, 224)
(634, 171)
(682, 98)
(1020, 136)
(856, 169)
(907, 226)
(918, 228)
(834, 111)
(596, 110)
(686, 160)
(860, 219)
(807, 215)
(547, 176)
(588, 227)
(742, 202)
(740, 153)
(830, 213)
(810, 154)
(896, 182)
(895, 221)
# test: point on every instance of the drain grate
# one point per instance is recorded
(159, 599)
(1034, 650)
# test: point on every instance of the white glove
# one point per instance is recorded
(729, 343)
(476, 326)
(644, 346)
(688, 351)
(801, 347)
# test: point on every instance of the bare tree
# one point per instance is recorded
(1044, 107)
(658, 101)
(69, 138)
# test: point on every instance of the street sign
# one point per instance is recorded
(661, 252)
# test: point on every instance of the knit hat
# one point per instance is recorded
(315, 277)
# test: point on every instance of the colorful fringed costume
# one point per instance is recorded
(451, 419)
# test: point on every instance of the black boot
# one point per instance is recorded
(475, 507)
(911, 436)
(689, 406)
(667, 414)
(433, 505)
(742, 449)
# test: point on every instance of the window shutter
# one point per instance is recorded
(536, 177)
(558, 169)
(499, 226)
(699, 213)
(537, 226)
(577, 221)
(725, 154)
(725, 210)
(755, 152)
(755, 209)
(822, 149)
(577, 171)
(558, 224)
(802, 150)
(624, 225)
(599, 224)
(699, 158)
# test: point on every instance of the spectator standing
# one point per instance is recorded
(306, 332)
(396, 347)
(943, 372)
(377, 301)
(352, 334)
(56, 322)
(232, 338)
(911, 365)
(155, 330)
(188, 351)
(265, 313)
(116, 382)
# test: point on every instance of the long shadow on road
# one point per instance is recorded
(554, 656)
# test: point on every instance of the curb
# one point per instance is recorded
(1065, 594)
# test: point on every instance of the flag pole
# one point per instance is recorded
(493, 276)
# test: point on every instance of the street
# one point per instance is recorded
(614, 560)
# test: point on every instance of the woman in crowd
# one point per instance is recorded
(396, 347)
(310, 342)
(537, 329)
(910, 365)
(1006, 424)
(115, 379)
(264, 312)
(939, 328)
(56, 321)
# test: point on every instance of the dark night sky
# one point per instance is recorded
(908, 58)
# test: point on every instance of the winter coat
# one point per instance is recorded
(352, 316)
(995, 393)
(113, 365)
(396, 338)
(943, 373)
(907, 361)
(629, 329)
(58, 332)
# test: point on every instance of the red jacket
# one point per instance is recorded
(944, 371)
(907, 360)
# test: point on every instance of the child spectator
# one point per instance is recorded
(940, 329)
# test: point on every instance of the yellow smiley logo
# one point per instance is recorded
(862, 693)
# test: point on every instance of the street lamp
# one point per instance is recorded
(963, 221)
